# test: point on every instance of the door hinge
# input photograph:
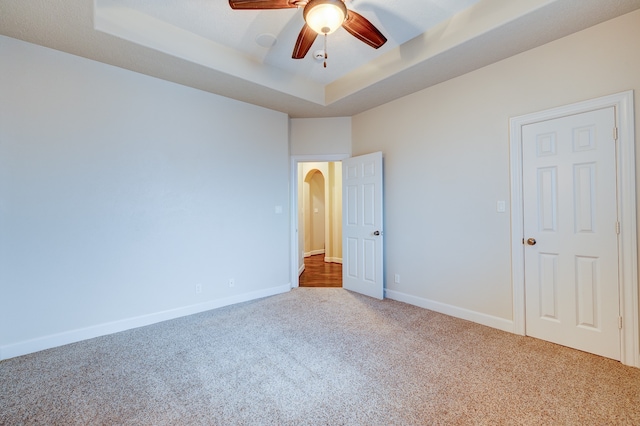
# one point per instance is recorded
(619, 323)
(615, 133)
(618, 227)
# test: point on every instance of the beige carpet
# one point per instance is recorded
(316, 357)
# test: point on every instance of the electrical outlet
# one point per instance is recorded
(396, 278)
(198, 288)
(232, 282)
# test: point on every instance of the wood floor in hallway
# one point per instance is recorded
(318, 273)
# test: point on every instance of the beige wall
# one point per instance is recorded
(335, 216)
(446, 153)
(320, 136)
(314, 213)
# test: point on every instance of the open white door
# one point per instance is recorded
(362, 270)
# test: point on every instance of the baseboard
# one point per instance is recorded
(454, 311)
(333, 259)
(301, 269)
(313, 252)
(59, 339)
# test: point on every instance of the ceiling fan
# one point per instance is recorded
(321, 17)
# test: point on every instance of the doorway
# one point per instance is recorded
(545, 284)
(319, 224)
(358, 202)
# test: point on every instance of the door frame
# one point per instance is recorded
(626, 195)
(295, 159)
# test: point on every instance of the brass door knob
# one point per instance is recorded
(531, 241)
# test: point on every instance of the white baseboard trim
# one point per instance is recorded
(313, 252)
(454, 311)
(301, 269)
(333, 259)
(72, 336)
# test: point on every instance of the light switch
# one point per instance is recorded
(501, 206)
(278, 209)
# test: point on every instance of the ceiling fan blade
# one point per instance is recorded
(363, 30)
(261, 4)
(305, 39)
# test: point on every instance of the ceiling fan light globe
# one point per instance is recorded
(325, 16)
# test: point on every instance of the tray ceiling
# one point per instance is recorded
(246, 55)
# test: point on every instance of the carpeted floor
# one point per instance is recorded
(317, 357)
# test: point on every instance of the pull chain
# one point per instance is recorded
(325, 50)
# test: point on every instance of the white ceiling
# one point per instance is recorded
(207, 45)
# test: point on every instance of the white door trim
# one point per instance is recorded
(626, 193)
(293, 170)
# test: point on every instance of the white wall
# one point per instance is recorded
(446, 153)
(120, 192)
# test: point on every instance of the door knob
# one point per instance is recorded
(376, 233)
(531, 241)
